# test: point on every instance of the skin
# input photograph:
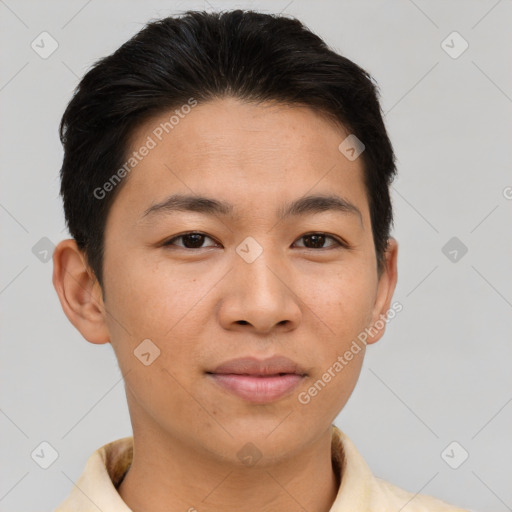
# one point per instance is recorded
(204, 306)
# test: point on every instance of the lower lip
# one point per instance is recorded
(258, 389)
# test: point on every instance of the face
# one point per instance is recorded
(243, 275)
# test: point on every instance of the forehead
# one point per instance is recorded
(231, 125)
(240, 150)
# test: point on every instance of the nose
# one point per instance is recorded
(260, 297)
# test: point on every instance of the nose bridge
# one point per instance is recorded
(260, 276)
(262, 295)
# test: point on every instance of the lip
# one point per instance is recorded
(258, 380)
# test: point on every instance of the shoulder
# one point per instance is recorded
(361, 490)
(394, 498)
(95, 489)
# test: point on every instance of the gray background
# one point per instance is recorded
(442, 371)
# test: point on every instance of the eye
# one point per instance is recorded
(195, 240)
(317, 241)
(192, 240)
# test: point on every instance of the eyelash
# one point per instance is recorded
(338, 242)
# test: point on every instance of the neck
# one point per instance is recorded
(167, 475)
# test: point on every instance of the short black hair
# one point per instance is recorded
(243, 54)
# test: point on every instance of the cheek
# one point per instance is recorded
(341, 302)
(157, 303)
(148, 315)
(151, 300)
(342, 307)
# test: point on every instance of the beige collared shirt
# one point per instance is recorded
(360, 491)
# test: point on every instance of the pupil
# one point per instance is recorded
(317, 240)
(195, 238)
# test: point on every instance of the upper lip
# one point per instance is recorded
(253, 366)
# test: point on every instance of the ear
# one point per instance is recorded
(79, 292)
(385, 289)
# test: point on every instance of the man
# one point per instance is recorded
(226, 184)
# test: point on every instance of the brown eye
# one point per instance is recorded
(191, 240)
(317, 241)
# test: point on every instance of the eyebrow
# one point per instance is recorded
(208, 206)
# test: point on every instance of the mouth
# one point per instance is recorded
(258, 381)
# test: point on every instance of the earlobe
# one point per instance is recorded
(385, 291)
(79, 292)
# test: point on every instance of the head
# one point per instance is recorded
(217, 210)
